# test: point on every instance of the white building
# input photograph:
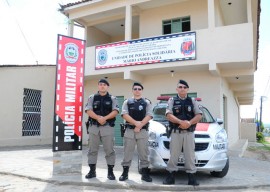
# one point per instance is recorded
(221, 73)
(27, 104)
(226, 49)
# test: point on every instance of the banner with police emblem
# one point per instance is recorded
(68, 106)
(166, 48)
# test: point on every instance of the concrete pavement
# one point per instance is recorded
(35, 163)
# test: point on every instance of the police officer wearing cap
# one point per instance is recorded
(102, 109)
(183, 114)
(136, 111)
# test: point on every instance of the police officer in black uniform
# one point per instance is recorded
(183, 114)
(137, 112)
(102, 109)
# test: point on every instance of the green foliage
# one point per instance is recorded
(260, 137)
(266, 147)
(259, 148)
(262, 127)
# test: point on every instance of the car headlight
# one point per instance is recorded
(221, 136)
(152, 136)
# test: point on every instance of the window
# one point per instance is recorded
(31, 112)
(194, 95)
(206, 116)
(176, 25)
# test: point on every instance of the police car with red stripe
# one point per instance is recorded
(211, 143)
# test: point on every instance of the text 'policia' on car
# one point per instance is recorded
(211, 143)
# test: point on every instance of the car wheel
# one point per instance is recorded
(223, 172)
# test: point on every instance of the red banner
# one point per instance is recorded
(68, 107)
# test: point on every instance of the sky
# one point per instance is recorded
(262, 75)
(29, 31)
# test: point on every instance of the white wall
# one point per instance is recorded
(219, 20)
(96, 37)
(248, 131)
(151, 20)
(233, 115)
(13, 81)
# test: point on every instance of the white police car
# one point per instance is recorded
(210, 143)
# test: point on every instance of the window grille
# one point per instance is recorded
(31, 112)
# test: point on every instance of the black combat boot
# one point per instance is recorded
(170, 179)
(124, 175)
(145, 175)
(192, 180)
(92, 172)
(110, 172)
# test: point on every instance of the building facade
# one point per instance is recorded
(222, 73)
(224, 41)
(27, 104)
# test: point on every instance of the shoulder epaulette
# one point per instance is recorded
(148, 100)
(130, 100)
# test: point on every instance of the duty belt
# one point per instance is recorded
(190, 129)
(133, 126)
(107, 123)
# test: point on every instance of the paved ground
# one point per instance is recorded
(30, 169)
(258, 151)
(9, 183)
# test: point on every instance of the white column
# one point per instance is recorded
(128, 23)
(70, 28)
(213, 68)
(211, 14)
(85, 35)
(249, 11)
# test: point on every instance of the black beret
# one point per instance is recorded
(104, 81)
(137, 84)
(183, 82)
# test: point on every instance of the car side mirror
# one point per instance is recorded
(219, 121)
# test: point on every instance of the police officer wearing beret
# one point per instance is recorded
(136, 111)
(102, 109)
(183, 114)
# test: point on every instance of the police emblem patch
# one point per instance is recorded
(187, 47)
(102, 56)
(71, 53)
(140, 107)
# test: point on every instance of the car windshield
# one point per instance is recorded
(159, 113)
(206, 116)
(160, 109)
